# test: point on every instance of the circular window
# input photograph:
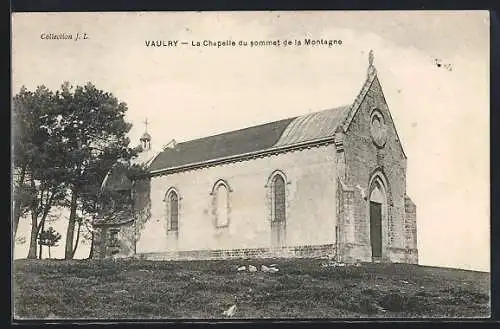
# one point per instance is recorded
(378, 128)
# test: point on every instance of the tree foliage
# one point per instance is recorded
(65, 142)
(38, 165)
(93, 130)
(49, 237)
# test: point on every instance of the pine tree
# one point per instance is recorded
(49, 238)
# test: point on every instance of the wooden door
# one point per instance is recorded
(376, 229)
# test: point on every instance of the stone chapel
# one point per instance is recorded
(325, 184)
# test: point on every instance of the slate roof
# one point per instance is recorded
(257, 138)
(313, 126)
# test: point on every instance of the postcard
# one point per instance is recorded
(251, 165)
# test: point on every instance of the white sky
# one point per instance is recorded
(442, 116)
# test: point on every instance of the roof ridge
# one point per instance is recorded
(235, 130)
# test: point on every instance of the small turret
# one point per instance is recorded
(146, 138)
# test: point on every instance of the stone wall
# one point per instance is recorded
(411, 231)
(119, 245)
(310, 204)
(315, 251)
(349, 249)
(125, 246)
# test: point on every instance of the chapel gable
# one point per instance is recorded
(375, 168)
(370, 119)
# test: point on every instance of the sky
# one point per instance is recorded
(441, 111)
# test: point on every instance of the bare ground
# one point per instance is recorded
(136, 289)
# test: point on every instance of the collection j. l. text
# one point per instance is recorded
(244, 43)
(64, 36)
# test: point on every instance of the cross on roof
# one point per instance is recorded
(146, 123)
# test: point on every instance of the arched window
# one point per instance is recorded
(221, 194)
(221, 205)
(377, 194)
(173, 210)
(279, 198)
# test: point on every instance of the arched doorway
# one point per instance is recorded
(377, 204)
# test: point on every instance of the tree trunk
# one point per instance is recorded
(16, 221)
(91, 254)
(68, 252)
(34, 224)
(35, 212)
(17, 216)
(33, 236)
(77, 239)
(18, 203)
(49, 252)
(42, 227)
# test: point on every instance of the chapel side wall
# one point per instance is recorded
(310, 189)
(363, 158)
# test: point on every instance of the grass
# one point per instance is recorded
(136, 289)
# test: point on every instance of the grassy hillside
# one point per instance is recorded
(204, 289)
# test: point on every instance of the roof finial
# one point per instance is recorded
(370, 57)
(146, 124)
(371, 67)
